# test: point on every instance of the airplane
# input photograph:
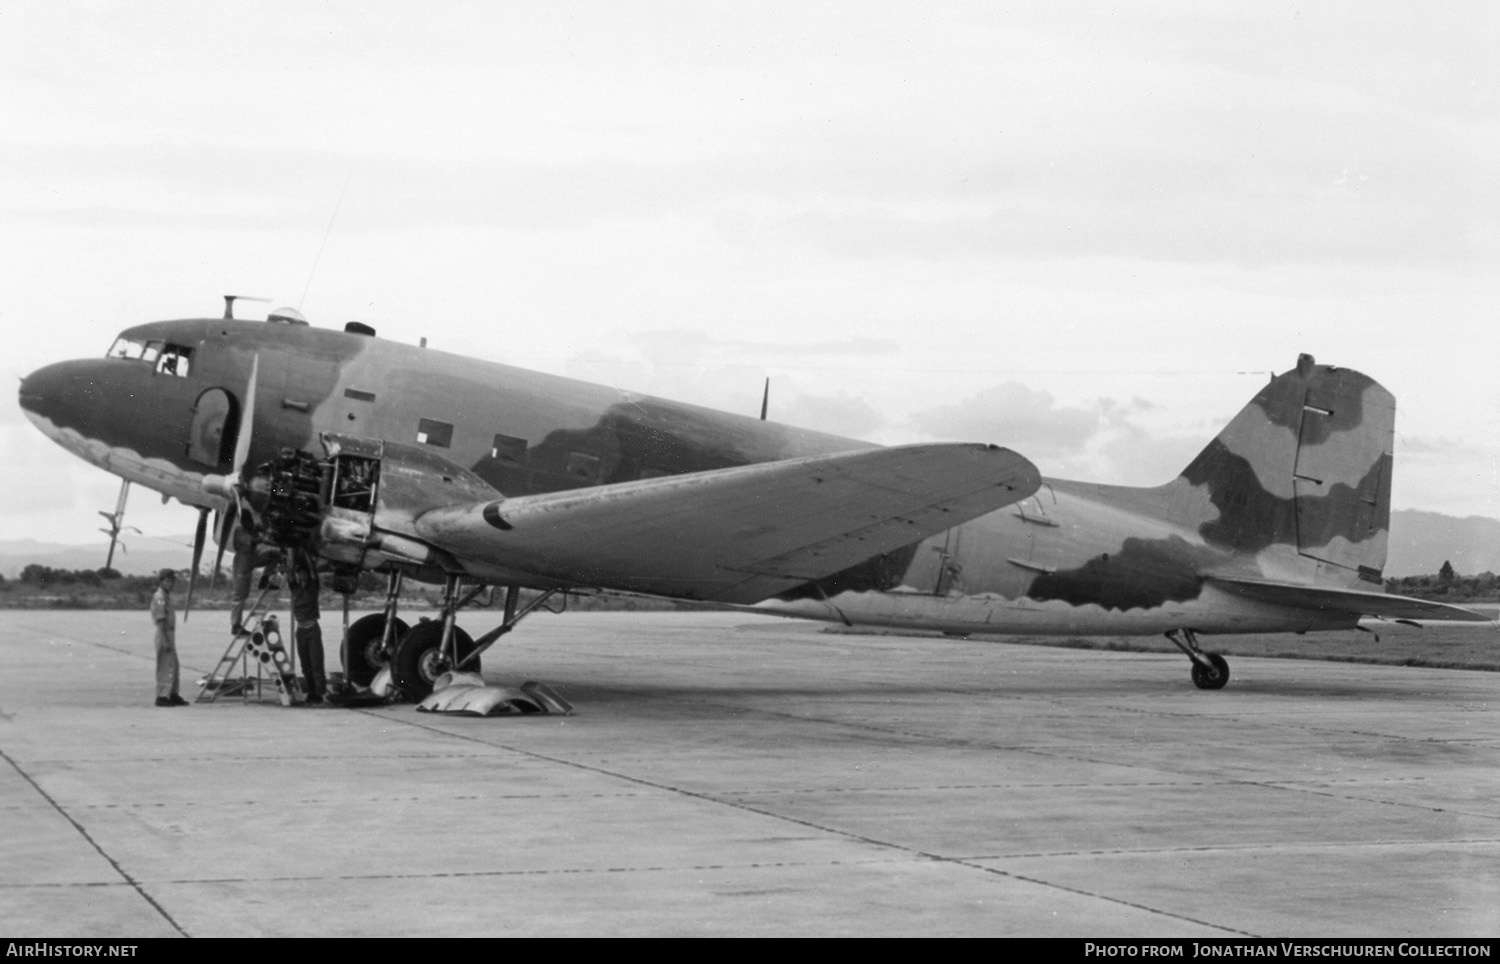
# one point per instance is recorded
(376, 455)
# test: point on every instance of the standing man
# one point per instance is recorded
(164, 615)
(304, 583)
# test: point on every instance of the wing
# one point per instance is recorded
(737, 535)
(1350, 601)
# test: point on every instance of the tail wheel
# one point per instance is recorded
(1211, 679)
(419, 658)
(361, 654)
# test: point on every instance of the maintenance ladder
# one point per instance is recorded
(259, 639)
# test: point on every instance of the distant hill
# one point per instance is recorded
(1420, 543)
(142, 558)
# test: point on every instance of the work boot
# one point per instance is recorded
(177, 700)
(163, 701)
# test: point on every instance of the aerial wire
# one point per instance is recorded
(326, 232)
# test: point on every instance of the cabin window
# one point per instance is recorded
(432, 432)
(174, 360)
(583, 465)
(508, 448)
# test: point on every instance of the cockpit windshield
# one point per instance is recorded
(133, 349)
(167, 359)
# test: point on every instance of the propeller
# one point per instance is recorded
(198, 535)
(225, 528)
(228, 486)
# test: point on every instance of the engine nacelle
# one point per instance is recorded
(358, 506)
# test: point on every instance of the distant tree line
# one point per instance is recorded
(40, 575)
(1447, 585)
(46, 577)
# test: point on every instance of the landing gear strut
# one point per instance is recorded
(429, 649)
(434, 647)
(1210, 670)
(369, 641)
(422, 656)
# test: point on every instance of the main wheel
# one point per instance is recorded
(419, 660)
(361, 653)
(1206, 679)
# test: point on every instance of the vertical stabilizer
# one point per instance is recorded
(1304, 471)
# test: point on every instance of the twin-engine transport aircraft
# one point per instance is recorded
(377, 455)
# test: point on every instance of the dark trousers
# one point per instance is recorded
(310, 652)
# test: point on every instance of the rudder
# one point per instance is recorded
(1304, 470)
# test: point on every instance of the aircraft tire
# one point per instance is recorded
(361, 653)
(1215, 680)
(418, 661)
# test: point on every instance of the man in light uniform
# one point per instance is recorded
(164, 615)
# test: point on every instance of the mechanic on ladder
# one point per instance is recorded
(248, 557)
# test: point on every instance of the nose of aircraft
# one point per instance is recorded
(61, 392)
(36, 387)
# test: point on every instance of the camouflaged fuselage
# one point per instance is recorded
(1295, 489)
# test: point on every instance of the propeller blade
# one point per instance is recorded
(247, 421)
(223, 531)
(228, 523)
(198, 536)
(227, 486)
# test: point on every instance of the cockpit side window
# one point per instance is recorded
(174, 360)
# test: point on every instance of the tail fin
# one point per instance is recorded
(1304, 471)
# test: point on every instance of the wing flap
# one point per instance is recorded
(741, 534)
(1354, 602)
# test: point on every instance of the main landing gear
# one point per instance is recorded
(419, 655)
(1210, 670)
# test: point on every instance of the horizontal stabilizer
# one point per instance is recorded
(740, 534)
(1353, 602)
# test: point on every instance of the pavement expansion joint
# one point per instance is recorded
(546, 871)
(1259, 848)
(1402, 804)
(342, 801)
(926, 787)
(92, 843)
(1095, 895)
(913, 852)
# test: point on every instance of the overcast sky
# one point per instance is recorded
(1084, 231)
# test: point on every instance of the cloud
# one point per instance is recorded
(839, 414)
(1017, 417)
(1424, 445)
(1106, 440)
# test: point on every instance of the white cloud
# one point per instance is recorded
(1017, 417)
